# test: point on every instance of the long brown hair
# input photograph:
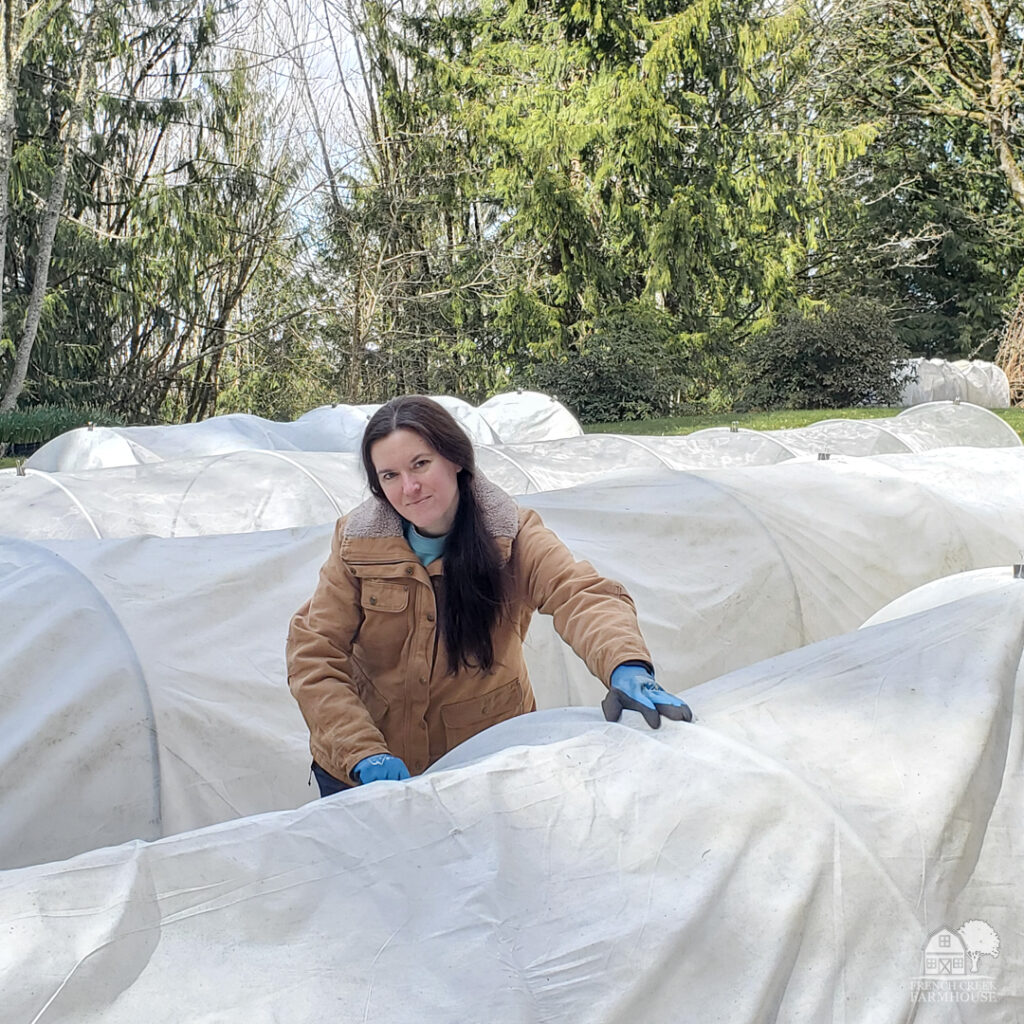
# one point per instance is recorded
(474, 582)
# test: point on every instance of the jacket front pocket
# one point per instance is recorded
(384, 597)
(373, 700)
(384, 632)
(466, 718)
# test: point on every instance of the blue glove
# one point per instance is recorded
(380, 766)
(634, 689)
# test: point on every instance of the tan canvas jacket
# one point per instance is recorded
(364, 661)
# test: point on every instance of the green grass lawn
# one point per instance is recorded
(766, 420)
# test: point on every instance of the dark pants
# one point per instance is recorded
(328, 784)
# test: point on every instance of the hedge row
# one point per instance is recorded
(42, 423)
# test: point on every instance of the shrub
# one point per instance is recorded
(625, 370)
(29, 428)
(849, 355)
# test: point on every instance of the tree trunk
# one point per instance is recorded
(51, 216)
(357, 346)
(12, 16)
(6, 155)
(1008, 163)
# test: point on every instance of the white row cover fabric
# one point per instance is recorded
(969, 380)
(237, 492)
(101, 447)
(470, 419)
(519, 417)
(542, 434)
(943, 591)
(731, 566)
(727, 567)
(271, 490)
(522, 416)
(786, 857)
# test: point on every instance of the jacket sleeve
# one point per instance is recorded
(320, 677)
(594, 615)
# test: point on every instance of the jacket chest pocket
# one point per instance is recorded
(385, 627)
(466, 718)
(384, 597)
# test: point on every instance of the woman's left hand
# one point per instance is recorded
(633, 689)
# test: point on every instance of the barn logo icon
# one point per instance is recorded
(951, 962)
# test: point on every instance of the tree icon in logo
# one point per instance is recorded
(980, 939)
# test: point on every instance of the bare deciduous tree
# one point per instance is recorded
(962, 60)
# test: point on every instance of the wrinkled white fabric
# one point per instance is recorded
(78, 742)
(470, 419)
(969, 380)
(786, 857)
(336, 428)
(949, 589)
(236, 492)
(239, 491)
(727, 567)
(523, 416)
(339, 428)
(731, 566)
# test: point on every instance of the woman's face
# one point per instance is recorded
(419, 482)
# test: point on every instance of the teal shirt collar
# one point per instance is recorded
(426, 549)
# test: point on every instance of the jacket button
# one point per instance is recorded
(430, 616)
(373, 600)
(423, 680)
(408, 570)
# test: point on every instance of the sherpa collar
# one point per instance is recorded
(376, 517)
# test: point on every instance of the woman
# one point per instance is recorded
(412, 640)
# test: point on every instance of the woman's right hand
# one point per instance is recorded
(633, 689)
(378, 767)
